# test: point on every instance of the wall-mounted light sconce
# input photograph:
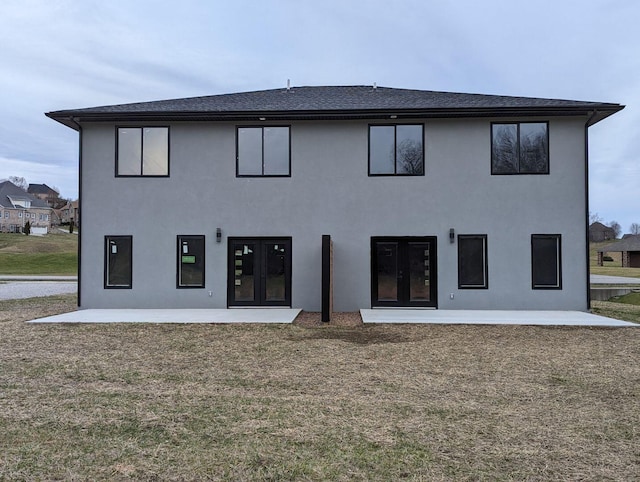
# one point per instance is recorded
(218, 235)
(452, 236)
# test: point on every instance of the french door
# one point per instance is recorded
(403, 272)
(259, 272)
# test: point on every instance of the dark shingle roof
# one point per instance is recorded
(332, 102)
(7, 188)
(40, 189)
(629, 243)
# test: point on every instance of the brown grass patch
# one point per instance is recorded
(294, 402)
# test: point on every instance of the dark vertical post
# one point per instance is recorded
(327, 278)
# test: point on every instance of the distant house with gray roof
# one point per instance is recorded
(629, 246)
(47, 194)
(18, 206)
(429, 199)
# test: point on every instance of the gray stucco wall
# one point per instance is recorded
(329, 192)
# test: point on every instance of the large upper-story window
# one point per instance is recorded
(143, 151)
(396, 150)
(263, 151)
(520, 148)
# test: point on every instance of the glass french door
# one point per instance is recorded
(403, 272)
(259, 272)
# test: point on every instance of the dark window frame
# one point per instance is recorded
(107, 261)
(262, 128)
(142, 150)
(558, 267)
(403, 243)
(485, 273)
(395, 151)
(518, 124)
(259, 270)
(179, 263)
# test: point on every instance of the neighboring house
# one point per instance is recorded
(598, 232)
(70, 213)
(431, 199)
(17, 207)
(629, 246)
(47, 194)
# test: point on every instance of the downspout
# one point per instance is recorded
(78, 223)
(586, 202)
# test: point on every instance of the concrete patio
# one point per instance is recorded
(492, 317)
(268, 315)
(277, 315)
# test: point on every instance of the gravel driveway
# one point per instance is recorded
(11, 290)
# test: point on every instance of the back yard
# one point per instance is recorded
(53, 254)
(265, 402)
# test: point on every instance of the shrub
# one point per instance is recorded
(27, 228)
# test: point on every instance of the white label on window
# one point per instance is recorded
(114, 249)
(185, 248)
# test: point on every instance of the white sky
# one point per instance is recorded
(64, 54)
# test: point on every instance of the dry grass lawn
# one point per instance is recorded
(292, 402)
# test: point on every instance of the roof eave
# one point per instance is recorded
(596, 113)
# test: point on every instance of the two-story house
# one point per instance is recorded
(17, 207)
(46, 194)
(431, 200)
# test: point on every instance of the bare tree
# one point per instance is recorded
(617, 229)
(409, 157)
(594, 218)
(634, 228)
(21, 182)
(505, 149)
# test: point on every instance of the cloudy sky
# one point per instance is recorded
(63, 54)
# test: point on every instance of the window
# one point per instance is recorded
(142, 151)
(263, 151)
(117, 261)
(20, 214)
(472, 261)
(396, 150)
(190, 262)
(546, 263)
(520, 148)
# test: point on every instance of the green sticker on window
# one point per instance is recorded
(188, 259)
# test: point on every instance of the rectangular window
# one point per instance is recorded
(117, 261)
(190, 262)
(546, 261)
(20, 214)
(520, 148)
(263, 151)
(396, 150)
(142, 151)
(472, 261)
